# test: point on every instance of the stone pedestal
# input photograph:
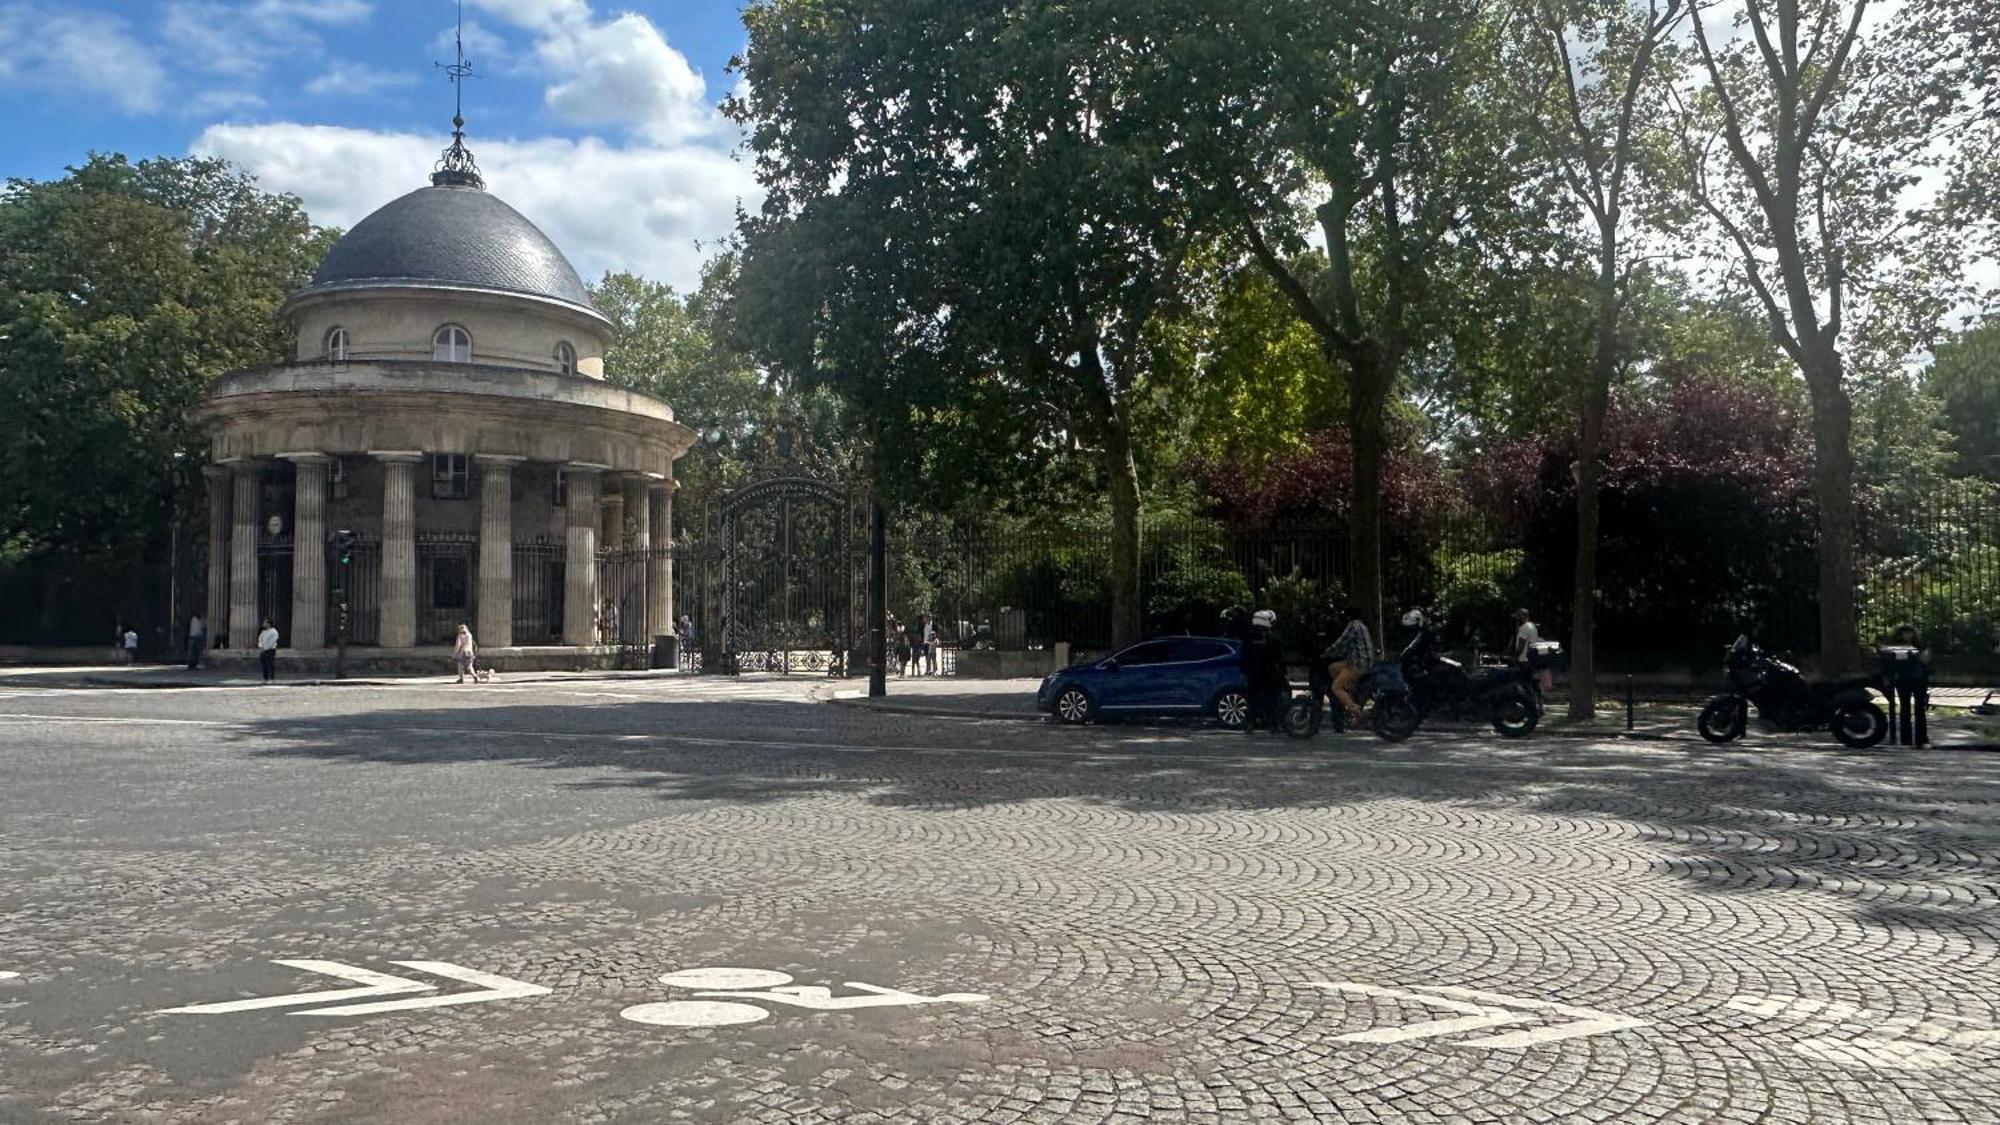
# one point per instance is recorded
(216, 611)
(496, 551)
(399, 549)
(309, 550)
(580, 604)
(244, 625)
(659, 561)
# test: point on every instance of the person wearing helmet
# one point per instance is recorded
(1420, 642)
(1263, 672)
(1352, 655)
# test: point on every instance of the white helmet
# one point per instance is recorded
(1264, 617)
(1414, 619)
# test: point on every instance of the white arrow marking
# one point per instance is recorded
(1586, 1021)
(497, 988)
(374, 984)
(1478, 1015)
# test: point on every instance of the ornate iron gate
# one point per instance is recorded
(781, 578)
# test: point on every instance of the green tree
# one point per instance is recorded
(978, 245)
(1965, 377)
(1386, 114)
(1583, 66)
(124, 289)
(1806, 131)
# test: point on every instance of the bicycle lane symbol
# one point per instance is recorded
(723, 995)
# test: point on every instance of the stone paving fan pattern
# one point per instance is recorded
(1147, 912)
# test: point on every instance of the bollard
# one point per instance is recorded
(1631, 705)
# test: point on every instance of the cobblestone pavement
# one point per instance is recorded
(1167, 923)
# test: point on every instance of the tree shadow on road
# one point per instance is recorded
(1914, 836)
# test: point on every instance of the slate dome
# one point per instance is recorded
(450, 237)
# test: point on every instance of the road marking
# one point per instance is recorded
(1877, 1039)
(497, 988)
(694, 1013)
(1478, 1015)
(726, 978)
(1482, 1009)
(375, 984)
(9, 974)
(731, 987)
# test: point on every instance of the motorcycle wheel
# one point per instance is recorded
(1860, 725)
(1396, 720)
(1721, 721)
(1517, 715)
(1301, 717)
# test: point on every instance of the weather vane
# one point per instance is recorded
(456, 167)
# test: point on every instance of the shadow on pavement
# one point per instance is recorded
(1912, 839)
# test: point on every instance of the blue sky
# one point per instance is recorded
(595, 118)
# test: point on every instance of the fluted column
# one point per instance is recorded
(243, 621)
(399, 549)
(611, 536)
(659, 562)
(309, 550)
(496, 551)
(580, 563)
(216, 608)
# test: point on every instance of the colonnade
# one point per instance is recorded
(602, 508)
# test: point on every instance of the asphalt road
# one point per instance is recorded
(948, 920)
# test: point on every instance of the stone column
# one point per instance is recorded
(659, 563)
(496, 551)
(244, 624)
(216, 611)
(309, 550)
(398, 590)
(611, 498)
(580, 563)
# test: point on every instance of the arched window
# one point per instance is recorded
(452, 344)
(336, 345)
(565, 358)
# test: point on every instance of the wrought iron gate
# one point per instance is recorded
(778, 582)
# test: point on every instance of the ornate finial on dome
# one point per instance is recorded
(456, 167)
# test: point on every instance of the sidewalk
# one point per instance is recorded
(1951, 727)
(144, 676)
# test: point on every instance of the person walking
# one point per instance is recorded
(131, 643)
(463, 654)
(1526, 635)
(267, 651)
(930, 646)
(197, 641)
(913, 647)
(1352, 654)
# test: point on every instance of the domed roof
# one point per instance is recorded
(450, 237)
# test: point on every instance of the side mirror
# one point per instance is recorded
(1109, 665)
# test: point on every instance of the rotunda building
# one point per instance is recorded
(441, 449)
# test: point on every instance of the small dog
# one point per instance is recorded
(481, 675)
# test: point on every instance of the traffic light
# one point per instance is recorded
(343, 547)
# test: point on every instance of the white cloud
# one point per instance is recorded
(244, 40)
(619, 71)
(51, 47)
(607, 207)
(352, 79)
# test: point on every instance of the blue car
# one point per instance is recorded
(1171, 676)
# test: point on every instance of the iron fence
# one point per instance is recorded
(538, 591)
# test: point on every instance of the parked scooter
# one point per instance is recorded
(1787, 700)
(1382, 694)
(1509, 696)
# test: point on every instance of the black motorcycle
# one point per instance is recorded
(1382, 694)
(1508, 696)
(1787, 700)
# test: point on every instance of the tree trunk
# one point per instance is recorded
(1367, 398)
(1833, 494)
(1589, 480)
(1122, 472)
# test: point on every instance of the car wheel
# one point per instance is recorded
(1860, 725)
(1721, 721)
(1232, 708)
(1073, 706)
